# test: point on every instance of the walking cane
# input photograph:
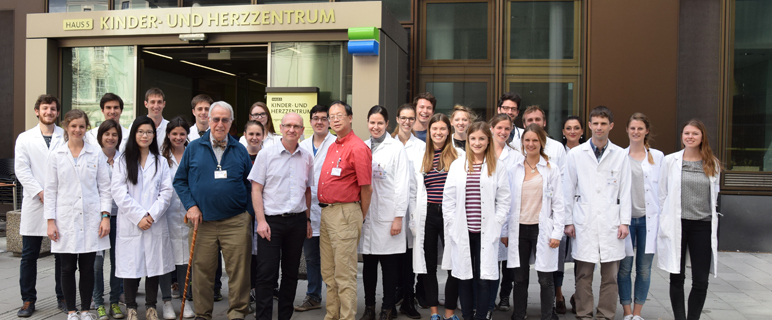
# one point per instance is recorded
(187, 275)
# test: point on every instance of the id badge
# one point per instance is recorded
(336, 172)
(221, 174)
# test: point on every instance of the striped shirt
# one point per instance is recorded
(435, 181)
(473, 206)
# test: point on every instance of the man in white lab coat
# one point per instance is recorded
(31, 154)
(155, 102)
(599, 215)
(112, 108)
(200, 105)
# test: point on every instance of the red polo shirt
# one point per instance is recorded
(354, 158)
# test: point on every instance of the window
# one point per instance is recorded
(85, 81)
(473, 95)
(541, 30)
(457, 31)
(77, 5)
(144, 4)
(326, 65)
(207, 3)
(750, 115)
(99, 54)
(554, 95)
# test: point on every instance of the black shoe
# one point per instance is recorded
(560, 306)
(385, 315)
(504, 304)
(26, 310)
(421, 302)
(217, 295)
(369, 313)
(408, 308)
(62, 305)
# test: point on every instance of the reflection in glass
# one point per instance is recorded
(472, 95)
(209, 3)
(541, 30)
(555, 98)
(399, 8)
(750, 145)
(144, 4)
(77, 5)
(288, 1)
(90, 72)
(457, 31)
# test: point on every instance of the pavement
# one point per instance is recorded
(741, 291)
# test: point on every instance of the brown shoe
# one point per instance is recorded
(26, 310)
(560, 305)
(308, 304)
(573, 304)
(369, 313)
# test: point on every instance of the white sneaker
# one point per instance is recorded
(637, 318)
(188, 312)
(628, 317)
(73, 316)
(151, 314)
(131, 314)
(169, 311)
(87, 316)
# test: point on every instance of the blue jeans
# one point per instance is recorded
(642, 266)
(116, 285)
(313, 268)
(28, 269)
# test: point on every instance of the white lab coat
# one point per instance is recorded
(550, 216)
(143, 253)
(602, 202)
(391, 186)
(193, 135)
(508, 158)
(91, 138)
(75, 195)
(175, 219)
(495, 201)
(651, 194)
(268, 140)
(414, 148)
(669, 236)
(30, 159)
(321, 153)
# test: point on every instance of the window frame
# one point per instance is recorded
(574, 62)
(440, 62)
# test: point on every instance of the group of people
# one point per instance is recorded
(482, 200)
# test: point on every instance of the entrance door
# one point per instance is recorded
(235, 74)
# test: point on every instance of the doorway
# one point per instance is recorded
(236, 74)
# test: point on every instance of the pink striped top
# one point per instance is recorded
(473, 206)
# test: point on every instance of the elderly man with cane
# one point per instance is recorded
(212, 184)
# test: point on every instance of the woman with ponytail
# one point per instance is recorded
(640, 246)
(688, 193)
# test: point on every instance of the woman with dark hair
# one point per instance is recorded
(259, 112)
(77, 197)
(573, 132)
(535, 224)
(109, 137)
(142, 188)
(427, 219)
(475, 204)
(173, 147)
(382, 239)
(688, 193)
(254, 133)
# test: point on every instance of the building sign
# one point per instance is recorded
(222, 19)
(78, 24)
(299, 100)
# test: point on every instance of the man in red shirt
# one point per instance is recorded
(344, 194)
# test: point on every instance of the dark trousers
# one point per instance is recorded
(85, 263)
(285, 247)
(507, 280)
(696, 236)
(406, 277)
(467, 287)
(28, 269)
(529, 235)
(433, 233)
(130, 287)
(390, 273)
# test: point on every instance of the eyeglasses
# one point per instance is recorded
(507, 109)
(258, 115)
(408, 119)
(292, 126)
(145, 133)
(223, 120)
(318, 119)
(339, 116)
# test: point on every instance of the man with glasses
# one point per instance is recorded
(509, 103)
(344, 195)
(281, 195)
(223, 219)
(200, 107)
(259, 112)
(317, 146)
(424, 104)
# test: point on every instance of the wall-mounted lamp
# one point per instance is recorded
(193, 37)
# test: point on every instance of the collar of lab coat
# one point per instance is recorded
(58, 133)
(588, 148)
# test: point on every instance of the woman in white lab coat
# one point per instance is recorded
(173, 147)
(427, 221)
(109, 136)
(507, 156)
(259, 112)
(382, 238)
(414, 148)
(460, 119)
(688, 192)
(142, 188)
(474, 205)
(77, 206)
(645, 164)
(535, 223)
